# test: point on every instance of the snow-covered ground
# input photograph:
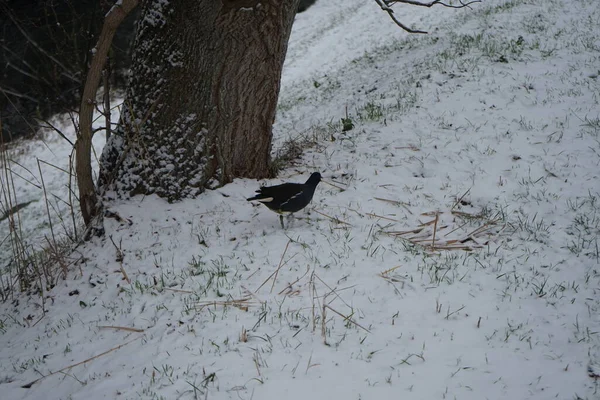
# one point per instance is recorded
(457, 256)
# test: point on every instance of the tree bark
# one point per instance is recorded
(88, 199)
(202, 96)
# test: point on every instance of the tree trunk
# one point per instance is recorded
(201, 100)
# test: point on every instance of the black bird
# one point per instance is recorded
(288, 197)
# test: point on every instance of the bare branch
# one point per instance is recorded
(89, 202)
(106, 113)
(49, 125)
(390, 3)
(10, 65)
(387, 9)
(6, 95)
(7, 91)
(66, 71)
(386, 5)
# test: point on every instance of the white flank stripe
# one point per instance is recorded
(291, 198)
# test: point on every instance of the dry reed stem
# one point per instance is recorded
(460, 198)
(395, 202)
(437, 216)
(425, 241)
(387, 271)
(179, 290)
(324, 321)
(53, 166)
(381, 216)
(400, 233)
(355, 211)
(485, 227)
(409, 147)
(424, 235)
(346, 318)
(435, 239)
(280, 264)
(290, 285)
(465, 214)
(390, 278)
(121, 328)
(243, 304)
(276, 272)
(252, 294)
(46, 200)
(332, 291)
(252, 274)
(57, 256)
(465, 248)
(313, 292)
(13, 172)
(309, 365)
(256, 360)
(337, 220)
(14, 219)
(336, 291)
(424, 224)
(455, 229)
(120, 257)
(335, 186)
(30, 384)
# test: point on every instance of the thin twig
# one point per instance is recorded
(46, 200)
(276, 271)
(242, 304)
(120, 257)
(324, 320)
(30, 384)
(67, 72)
(387, 271)
(290, 285)
(390, 12)
(331, 290)
(121, 328)
(337, 220)
(386, 6)
(179, 290)
(313, 296)
(460, 199)
(279, 266)
(437, 216)
(381, 216)
(347, 318)
(335, 186)
(396, 202)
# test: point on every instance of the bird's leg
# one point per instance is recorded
(281, 220)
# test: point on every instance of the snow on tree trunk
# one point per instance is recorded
(202, 96)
